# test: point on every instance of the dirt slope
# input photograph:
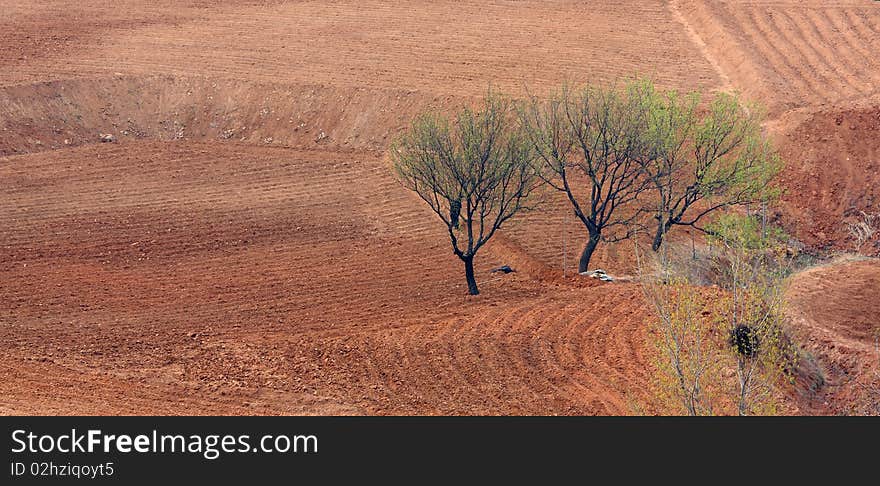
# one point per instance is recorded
(833, 174)
(835, 312)
(63, 114)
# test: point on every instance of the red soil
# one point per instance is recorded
(243, 249)
(258, 276)
(833, 174)
(835, 313)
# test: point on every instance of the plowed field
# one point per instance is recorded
(243, 248)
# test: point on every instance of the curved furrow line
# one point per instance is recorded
(778, 45)
(805, 39)
(585, 389)
(506, 351)
(371, 377)
(586, 355)
(861, 40)
(842, 47)
(491, 361)
(514, 357)
(444, 372)
(619, 339)
(420, 380)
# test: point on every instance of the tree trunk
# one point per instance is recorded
(469, 275)
(587, 254)
(658, 237)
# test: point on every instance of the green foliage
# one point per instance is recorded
(475, 171)
(755, 299)
(697, 328)
(745, 232)
(588, 143)
(733, 160)
(700, 160)
(687, 360)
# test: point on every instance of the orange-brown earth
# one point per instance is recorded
(243, 248)
(836, 317)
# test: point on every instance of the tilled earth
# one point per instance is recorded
(243, 249)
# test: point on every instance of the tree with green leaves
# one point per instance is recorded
(753, 268)
(588, 143)
(687, 362)
(475, 171)
(702, 160)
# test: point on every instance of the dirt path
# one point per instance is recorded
(725, 83)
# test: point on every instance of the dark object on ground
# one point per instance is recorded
(108, 138)
(745, 341)
(503, 268)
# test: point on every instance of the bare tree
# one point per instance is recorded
(699, 162)
(863, 229)
(475, 172)
(588, 142)
(702, 333)
(752, 269)
(687, 362)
